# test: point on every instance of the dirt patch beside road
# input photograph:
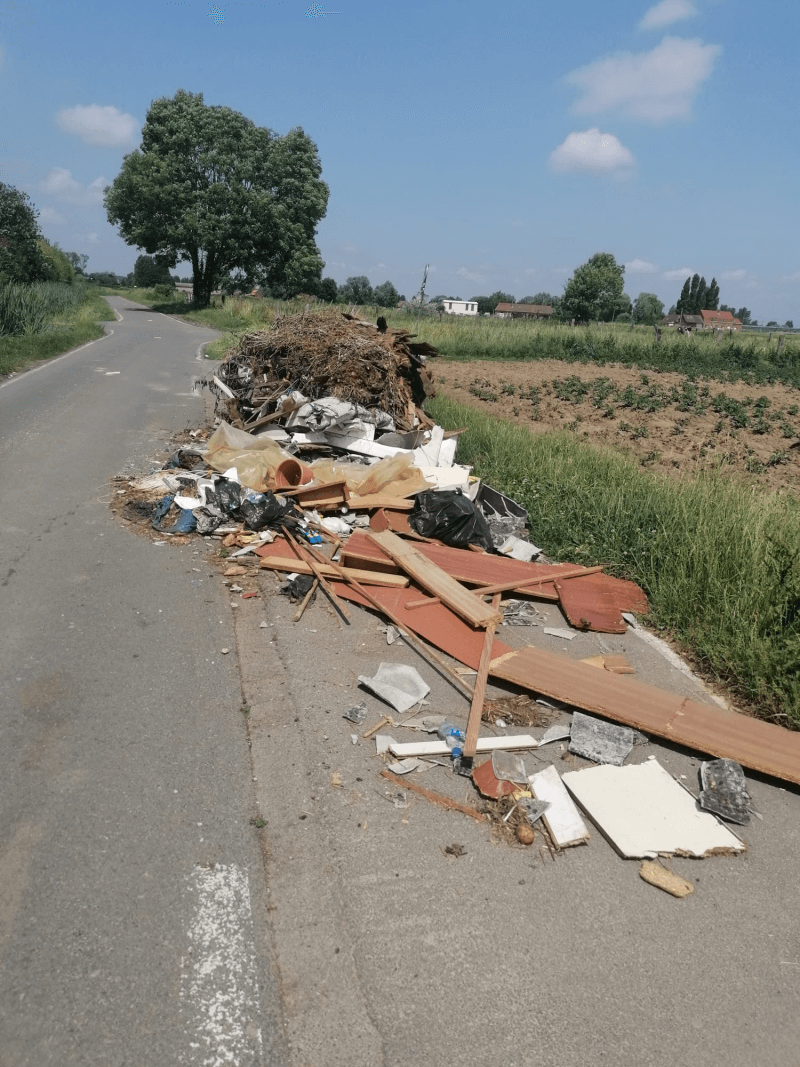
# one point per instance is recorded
(667, 420)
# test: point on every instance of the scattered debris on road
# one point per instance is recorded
(324, 469)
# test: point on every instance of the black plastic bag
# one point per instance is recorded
(451, 517)
(256, 510)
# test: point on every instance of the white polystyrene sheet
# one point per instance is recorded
(644, 812)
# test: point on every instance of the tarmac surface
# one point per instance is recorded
(126, 771)
(340, 932)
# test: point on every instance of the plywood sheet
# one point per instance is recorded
(596, 601)
(644, 812)
(436, 624)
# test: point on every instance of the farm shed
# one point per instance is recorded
(523, 311)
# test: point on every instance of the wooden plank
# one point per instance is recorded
(435, 580)
(562, 818)
(760, 746)
(507, 587)
(479, 693)
(475, 568)
(323, 491)
(380, 500)
(299, 566)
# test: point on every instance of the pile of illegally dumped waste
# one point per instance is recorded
(336, 478)
(326, 355)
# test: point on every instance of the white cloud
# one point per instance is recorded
(654, 85)
(667, 12)
(470, 275)
(679, 275)
(792, 277)
(640, 266)
(593, 151)
(734, 275)
(97, 125)
(60, 184)
(50, 215)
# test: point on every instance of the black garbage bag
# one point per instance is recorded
(297, 587)
(256, 510)
(451, 517)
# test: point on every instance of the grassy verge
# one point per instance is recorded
(720, 563)
(75, 326)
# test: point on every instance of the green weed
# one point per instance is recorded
(719, 562)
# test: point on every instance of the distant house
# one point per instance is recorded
(720, 320)
(523, 311)
(460, 307)
(685, 322)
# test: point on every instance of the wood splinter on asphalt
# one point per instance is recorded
(435, 798)
(306, 600)
(385, 721)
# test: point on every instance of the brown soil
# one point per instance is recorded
(669, 439)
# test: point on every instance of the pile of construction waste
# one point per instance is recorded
(324, 468)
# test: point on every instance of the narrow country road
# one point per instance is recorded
(132, 912)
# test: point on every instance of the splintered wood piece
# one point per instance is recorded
(596, 602)
(306, 600)
(435, 798)
(479, 694)
(663, 878)
(435, 580)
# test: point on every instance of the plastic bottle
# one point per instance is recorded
(452, 737)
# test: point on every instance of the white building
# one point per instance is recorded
(460, 307)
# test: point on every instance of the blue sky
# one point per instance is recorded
(503, 145)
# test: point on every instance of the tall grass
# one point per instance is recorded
(30, 309)
(719, 562)
(68, 328)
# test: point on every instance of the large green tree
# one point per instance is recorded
(356, 290)
(386, 295)
(648, 310)
(596, 291)
(21, 258)
(209, 186)
(149, 271)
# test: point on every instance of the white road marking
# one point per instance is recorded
(219, 982)
(113, 372)
(50, 362)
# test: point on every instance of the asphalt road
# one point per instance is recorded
(132, 904)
